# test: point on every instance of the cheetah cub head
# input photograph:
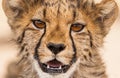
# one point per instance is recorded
(60, 35)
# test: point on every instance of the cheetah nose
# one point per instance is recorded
(55, 48)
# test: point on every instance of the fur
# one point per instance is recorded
(59, 15)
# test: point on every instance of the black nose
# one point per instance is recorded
(56, 48)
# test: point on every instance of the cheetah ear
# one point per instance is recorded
(107, 14)
(12, 8)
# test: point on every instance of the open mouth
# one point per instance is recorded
(54, 67)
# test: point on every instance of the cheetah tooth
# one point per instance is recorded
(48, 66)
(60, 67)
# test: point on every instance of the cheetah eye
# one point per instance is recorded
(39, 24)
(77, 27)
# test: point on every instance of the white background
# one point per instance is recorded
(110, 51)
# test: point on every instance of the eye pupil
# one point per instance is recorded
(77, 27)
(39, 24)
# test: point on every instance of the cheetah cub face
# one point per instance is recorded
(60, 35)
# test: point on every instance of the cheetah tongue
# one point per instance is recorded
(54, 64)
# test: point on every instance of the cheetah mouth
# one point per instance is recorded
(54, 67)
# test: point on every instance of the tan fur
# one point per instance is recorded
(59, 15)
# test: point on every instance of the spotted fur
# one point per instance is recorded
(82, 48)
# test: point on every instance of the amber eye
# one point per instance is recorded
(77, 27)
(39, 24)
